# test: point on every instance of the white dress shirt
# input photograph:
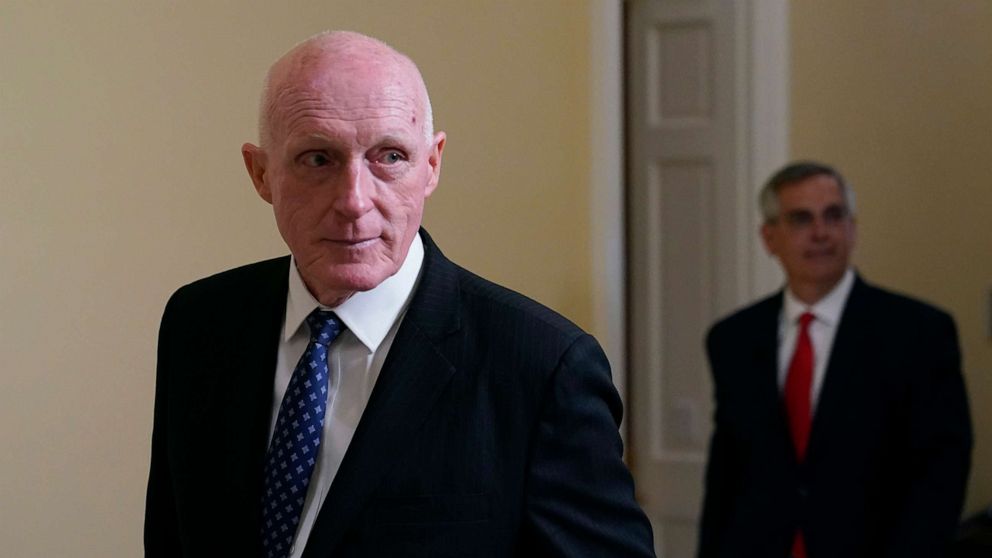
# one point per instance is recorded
(354, 362)
(822, 330)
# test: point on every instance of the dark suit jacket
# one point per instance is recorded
(889, 448)
(491, 431)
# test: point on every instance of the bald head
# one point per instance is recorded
(339, 56)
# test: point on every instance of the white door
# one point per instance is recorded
(706, 115)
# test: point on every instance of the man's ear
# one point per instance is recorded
(255, 162)
(434, 160)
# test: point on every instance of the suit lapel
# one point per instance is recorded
(846, 355)
(766, 348)
(413, 376)
(765, 362)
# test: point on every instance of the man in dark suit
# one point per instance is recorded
(842, 425)
(365, 396)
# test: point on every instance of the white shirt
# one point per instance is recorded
(354, 361)
(822, 330)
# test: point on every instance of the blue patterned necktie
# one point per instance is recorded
(296, 438)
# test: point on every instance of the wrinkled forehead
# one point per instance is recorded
(393, 101)
(346, 87)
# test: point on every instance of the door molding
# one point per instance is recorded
(607, 231)
(767, 148)
(690, 198)
(766, 67)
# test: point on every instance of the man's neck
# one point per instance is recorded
(811, 293)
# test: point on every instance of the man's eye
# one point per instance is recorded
(835, 214)
(799, 218)
(315, 159)
(391, 157)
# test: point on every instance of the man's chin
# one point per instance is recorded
(827, 278)
(332, 284)
(353, 278)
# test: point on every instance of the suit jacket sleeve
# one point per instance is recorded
(940, 442)
(580, 497)
(161, 526)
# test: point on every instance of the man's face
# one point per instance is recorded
(347, 171)
(813, 236)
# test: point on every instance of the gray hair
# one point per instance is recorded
(795, 172)
(341, 42)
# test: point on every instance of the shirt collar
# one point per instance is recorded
(828, 309)
(368, 315)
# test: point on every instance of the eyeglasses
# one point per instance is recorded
(833, 215)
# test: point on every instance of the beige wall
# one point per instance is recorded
(898, 94)
(120, 179)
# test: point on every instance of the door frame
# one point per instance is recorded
(765, 65)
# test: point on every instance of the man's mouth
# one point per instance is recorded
(354, 242)
(823, 253)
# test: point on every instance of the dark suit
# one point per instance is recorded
(491, 431)
(889, 449)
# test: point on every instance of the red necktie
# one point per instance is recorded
(797, 403)
(797, 387)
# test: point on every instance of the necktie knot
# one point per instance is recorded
(805, 319)
(324, 327)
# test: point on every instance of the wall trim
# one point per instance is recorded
(767, 74)
(607, 231)
(768, 144)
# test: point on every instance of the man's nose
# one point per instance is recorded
(818, 227)
(352, 195)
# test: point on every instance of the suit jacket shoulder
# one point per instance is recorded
(487, 299)
(749, 333)
(240, 285)
(745, 318)
(866, 302)
(478, 324)
(894, 310)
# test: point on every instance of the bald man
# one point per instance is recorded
(365, 396)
